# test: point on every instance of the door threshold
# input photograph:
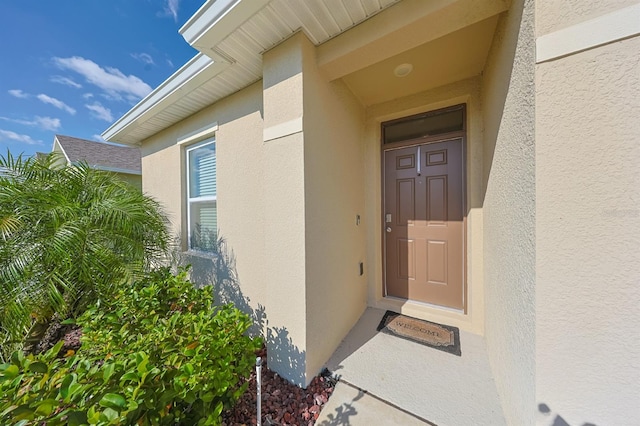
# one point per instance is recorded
(425, 311)
(424, 304)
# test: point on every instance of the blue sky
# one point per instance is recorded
(73, 67)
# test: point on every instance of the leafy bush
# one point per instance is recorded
(68, 234)
(160, 352)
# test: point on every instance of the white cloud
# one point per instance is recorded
(66, 81)
(100, 112)
(112, 96)
(18, 93)
(171, 8)
(145, 58)
(56, 103)
(48, 123)
(45, 123)
(87, 95)
(170, 63)
(8, 134)
(111, 80)
(98, 138)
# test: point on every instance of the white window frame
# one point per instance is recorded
(189, 199)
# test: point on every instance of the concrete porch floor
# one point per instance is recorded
(399, 375)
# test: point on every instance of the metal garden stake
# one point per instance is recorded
(259, 389)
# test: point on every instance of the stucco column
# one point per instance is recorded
(285, 210)
(587, 213)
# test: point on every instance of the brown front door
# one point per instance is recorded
(423, 223)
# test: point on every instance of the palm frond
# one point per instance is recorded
(68, 234)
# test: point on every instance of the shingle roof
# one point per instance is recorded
(101, 155)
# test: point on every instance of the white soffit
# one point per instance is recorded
(232, 36)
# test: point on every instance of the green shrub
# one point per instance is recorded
(68, 235)
(160, 352)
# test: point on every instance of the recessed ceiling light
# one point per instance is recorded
(403, 70)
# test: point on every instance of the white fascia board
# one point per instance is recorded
(113, 169)
(199, 69)
(53, 148)
(216, 19)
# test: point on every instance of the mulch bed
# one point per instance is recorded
(283, 403)
(69, 333)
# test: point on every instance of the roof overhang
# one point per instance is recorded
(213, 22)
(200, 68)
(232, 35)
(216, 19)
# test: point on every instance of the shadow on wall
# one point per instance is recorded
(555, 419)
(285, 357)
(218, 268)
(496, 84)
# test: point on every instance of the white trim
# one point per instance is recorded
(212, 23)
(198, 135)
(114, 169)
(283, 129)
(614, 26)
(200, 67)
(188, 197)
(53, 148)
(216, 19)
(208, 14)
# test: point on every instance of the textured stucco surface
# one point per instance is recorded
(283, 165)
(336, 294)
(465, 91)
(159, 155)
(238, 148)
(554, 15)
(509, 212)
(588, 235)
(553, 230)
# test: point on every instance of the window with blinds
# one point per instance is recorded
(202, 196)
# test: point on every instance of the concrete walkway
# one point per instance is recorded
(351, 406)
(407, 377)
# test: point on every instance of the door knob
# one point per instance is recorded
(388, 229)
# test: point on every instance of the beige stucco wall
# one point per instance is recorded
(553, 15)
(313, 192)
(336, 294)
(552, 197)
(240, 190)
(509, 211)
(161, 154)
(465, 91)
(284, 247)
(287, 203)
(588, 233)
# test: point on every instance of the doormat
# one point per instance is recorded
(437, 336)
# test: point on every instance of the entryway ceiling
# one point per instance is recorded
(456, 56)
